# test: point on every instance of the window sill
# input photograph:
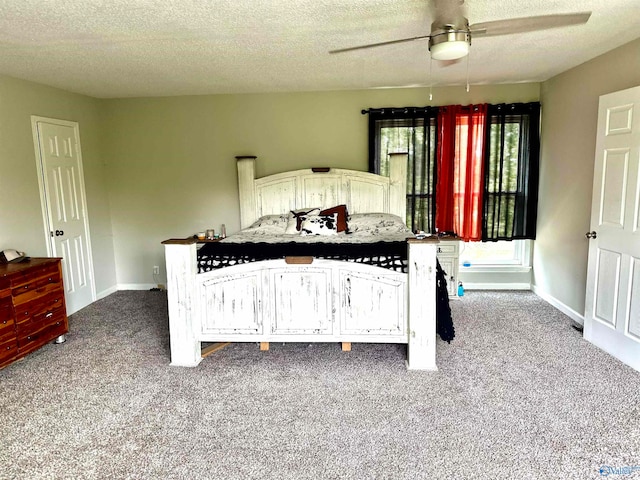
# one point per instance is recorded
(494, 269)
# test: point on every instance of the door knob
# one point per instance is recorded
(591, 234)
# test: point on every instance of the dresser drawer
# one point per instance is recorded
(36, 288)
(8, 350)
(40, 306)
(6, 310)
(30, 341)
(7, 329)
(448, 248)
(30, 276)
(36, 323)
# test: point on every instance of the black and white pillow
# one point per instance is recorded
(293, 224)
(319, 225)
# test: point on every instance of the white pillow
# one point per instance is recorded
(377, 224)
(319, 225)
(292, 223)
(269, 224)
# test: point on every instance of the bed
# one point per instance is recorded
(250, 289)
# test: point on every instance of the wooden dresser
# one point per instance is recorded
(32, 308)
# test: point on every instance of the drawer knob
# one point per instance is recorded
(48, 315)
(26, 286)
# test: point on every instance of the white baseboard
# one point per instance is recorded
(571, 313)
(137, 286)
(497, 286)
(106, 293)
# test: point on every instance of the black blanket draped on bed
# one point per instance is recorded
(391, 255)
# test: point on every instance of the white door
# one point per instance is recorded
(64, 206)
(612, 305)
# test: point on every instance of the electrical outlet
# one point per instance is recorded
(156, 270)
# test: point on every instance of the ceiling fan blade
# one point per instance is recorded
(372, 45)
(527, 24)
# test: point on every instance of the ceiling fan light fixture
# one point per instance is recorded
(450, 45)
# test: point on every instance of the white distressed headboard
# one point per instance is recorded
(362, 192)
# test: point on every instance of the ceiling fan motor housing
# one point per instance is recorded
(449, 42)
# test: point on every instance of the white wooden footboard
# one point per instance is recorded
(325, 301)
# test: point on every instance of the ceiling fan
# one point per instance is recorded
(450, 36)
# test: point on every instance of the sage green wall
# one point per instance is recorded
(21, 220)
(171, 160)
(569, 121)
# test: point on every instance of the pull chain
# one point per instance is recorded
(468, 71)
(430, 78)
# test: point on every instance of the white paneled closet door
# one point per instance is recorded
(612, 304)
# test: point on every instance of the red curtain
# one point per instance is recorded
(461, 134)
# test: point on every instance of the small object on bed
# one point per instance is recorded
(294, 222)
(319, 224)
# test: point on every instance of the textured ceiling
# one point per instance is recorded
(130, 48)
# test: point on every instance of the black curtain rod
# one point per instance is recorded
(401, 110)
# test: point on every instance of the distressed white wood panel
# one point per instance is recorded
(607, 287)
(278, 196)
(421, 349)
(232, 304)
(371, 304)
(633, 320)
(320, 190)
(246, 190)
(367, 196)
(362, 192)
(301, 301)
(398, 165)
(448, 266)
(183, 304)
(619, 120)
(614, 187)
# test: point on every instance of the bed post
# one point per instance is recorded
(398, 184)
(421, 350)
(246, 190)
(180, 256)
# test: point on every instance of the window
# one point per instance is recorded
(501, 253)
(412, 131)
(511, 172)
(494, 165)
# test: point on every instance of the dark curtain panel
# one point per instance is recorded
(511, 171)
(411, 130)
